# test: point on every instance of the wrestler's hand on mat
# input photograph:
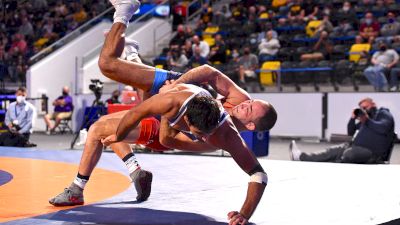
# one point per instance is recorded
(109, 140)
(235, 218)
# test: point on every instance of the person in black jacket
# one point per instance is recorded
(372, 129)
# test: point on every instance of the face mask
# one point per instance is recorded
(235, 54)
(246, 52)
(346, 8)
(368, 21)
(371, 112)
(20, 99)
(383, 48)
(391, 20)
(65, 93)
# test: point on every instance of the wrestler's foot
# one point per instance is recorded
(124, 9)
(131, 49)
(72, 195)
(142, 180)
(294, 151)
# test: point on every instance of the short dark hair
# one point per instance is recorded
(23, 89)
(204, 113)
(268, 120)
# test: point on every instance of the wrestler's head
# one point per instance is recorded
(255, 114)
(202, 115)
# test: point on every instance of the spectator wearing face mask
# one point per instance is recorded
(114, 99)
(62, 110)
(389, 30)
(346, 13)
(382, 62)
(20, 115)
(369, 29)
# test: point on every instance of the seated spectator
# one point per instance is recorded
(196, 60)
(180, 37)
(114, 99)
(382, 62)
(321, 50)
(295, 15)
(20, 115)
(389, 30)
(268, 48)
(346, 13)
(218, 50)
(63, 108)
(248, 64)
(369, 144)
(222, 15)
(203, 46)
(369, 29)
(187, 49)
(177, 60)
(343, 28)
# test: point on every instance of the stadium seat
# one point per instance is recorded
(358, 50)
(339, 52)
(312, 27)
(210, 41)
(210, 31)
(268, 78)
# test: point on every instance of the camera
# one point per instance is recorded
(359, 112)
(97, 87)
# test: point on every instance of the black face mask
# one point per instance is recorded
(383, 48)
(371, 112)
(246, 52)
(64, 93)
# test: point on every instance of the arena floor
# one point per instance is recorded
(190, 189)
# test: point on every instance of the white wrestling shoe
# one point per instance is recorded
(124, 9)
(294, 151)
(131, 49)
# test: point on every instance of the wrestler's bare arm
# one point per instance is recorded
(160, 104)
(219, 81)
(244, 158)
(173, 138)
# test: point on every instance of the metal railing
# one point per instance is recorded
(69, 37)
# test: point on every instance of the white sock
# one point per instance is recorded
(81, 181)
(131, 162)
(124, 11)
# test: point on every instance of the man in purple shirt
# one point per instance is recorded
(62, 110)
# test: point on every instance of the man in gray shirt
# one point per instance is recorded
(382, 61)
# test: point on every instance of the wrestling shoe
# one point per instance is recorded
(131, 49)
(124, 9)
(69, 197)
(142, 180)
(294, 151)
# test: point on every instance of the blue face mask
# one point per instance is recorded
(368, 21)
(391, 20)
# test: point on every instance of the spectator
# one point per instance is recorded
(180, 37)
(382, 62)
(269, 47)
(176, 60)
(390, 29)
(296, 13)
(218, 50)
(321, 50)
(63, 108)
(369, 29)
(206, 13)
(369, 144)
(248, 64)
(343, 28)
(197, 60)
(26, 28)
(114, 99)
(222, 16)
(310, 9)
(20, 115)
(346, 13)
(187, 49)
(203, 46)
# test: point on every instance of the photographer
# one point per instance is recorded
(62, 110)
(19, 115)
(372, 138)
